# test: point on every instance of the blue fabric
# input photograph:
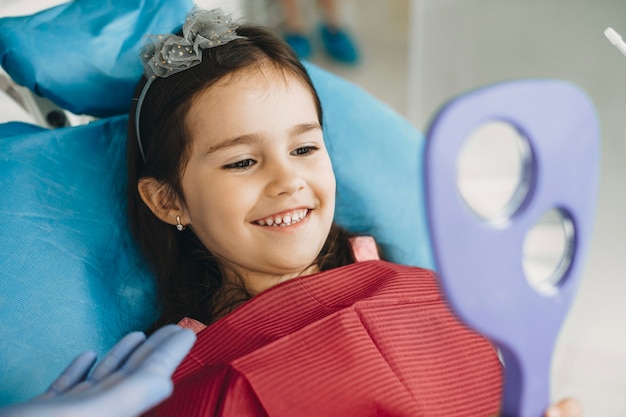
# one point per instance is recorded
(96, 40)
(18, 128)
(70, 277)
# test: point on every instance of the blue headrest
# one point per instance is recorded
(95, 41)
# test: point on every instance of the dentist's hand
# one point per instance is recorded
(134, 376)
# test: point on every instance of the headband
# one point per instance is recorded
(168, 54)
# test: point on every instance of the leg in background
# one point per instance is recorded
(295, 29)
(338, 43)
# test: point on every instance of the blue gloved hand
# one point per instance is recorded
(131, 378)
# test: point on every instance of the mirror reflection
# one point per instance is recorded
(493, 170)
(548, 251)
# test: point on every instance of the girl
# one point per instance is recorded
(231, 198)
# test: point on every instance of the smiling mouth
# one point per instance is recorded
(283, 220)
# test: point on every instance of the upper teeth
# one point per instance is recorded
(286, 219)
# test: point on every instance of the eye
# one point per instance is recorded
(304, 150)
(243, 164)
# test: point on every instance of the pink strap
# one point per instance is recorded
(189, 323)
(364, 248)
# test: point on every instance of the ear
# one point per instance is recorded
(162, 200)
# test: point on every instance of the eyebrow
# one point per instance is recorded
(304, 128)
(247, 139)
(229, 143)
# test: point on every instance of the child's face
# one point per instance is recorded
(257, 158)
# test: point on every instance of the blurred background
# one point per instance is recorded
(415, 55)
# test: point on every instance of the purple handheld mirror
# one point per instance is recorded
(484, 258)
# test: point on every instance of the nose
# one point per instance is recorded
(284, 177)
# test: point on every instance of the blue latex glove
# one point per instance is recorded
(134, 376)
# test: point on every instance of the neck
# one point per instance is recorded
(257, 282)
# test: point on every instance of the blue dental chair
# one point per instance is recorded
(71, 278)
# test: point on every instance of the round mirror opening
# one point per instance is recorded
(548, 251)
(494, 169)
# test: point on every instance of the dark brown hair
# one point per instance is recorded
(189, 278)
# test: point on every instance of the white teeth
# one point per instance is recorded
(286, 220)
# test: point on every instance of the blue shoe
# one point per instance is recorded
(299, 43)
(339, 45)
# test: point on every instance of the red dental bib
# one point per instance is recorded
(367, 339)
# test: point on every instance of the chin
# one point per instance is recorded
(294, 270)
